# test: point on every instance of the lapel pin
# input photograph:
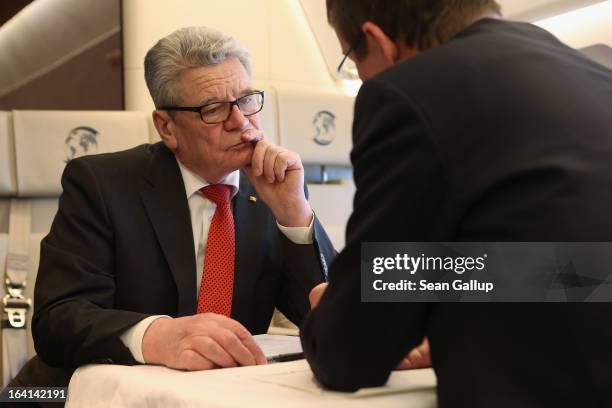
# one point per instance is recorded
(253, 199)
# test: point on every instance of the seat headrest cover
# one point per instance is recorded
(317, 126)
(46, 140)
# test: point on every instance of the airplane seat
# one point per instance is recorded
(333, 204)
(318, 127)
(7, 170)
(39, 146)
(8, 189)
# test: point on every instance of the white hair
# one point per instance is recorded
(189, 47)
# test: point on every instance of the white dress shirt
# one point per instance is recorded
(201, 211)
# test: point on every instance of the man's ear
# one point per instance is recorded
(391, 50)
(166, 128)
(385, 47)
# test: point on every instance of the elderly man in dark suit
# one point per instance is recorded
(176, 253)
(469, 128)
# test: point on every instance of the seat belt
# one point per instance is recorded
(15, 304)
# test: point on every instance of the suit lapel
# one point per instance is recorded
(249, 221)
(165, 201)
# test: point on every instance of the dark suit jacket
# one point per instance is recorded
(121, 248)
(502, 134)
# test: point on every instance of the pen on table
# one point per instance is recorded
(286, 357)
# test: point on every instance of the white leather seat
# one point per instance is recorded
(8, 190)
(34, 148)
(318, 127)
(46, 140)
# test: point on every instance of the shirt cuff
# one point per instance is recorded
(299, 235)
(132, 337)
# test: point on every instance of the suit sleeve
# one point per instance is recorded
(74, 322)
(305, 267)
(350, 344)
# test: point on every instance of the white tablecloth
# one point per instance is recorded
(274, 385)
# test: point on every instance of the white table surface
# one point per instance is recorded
(152, 386)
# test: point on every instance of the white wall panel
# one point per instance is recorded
(146, 21)
(295, 56)
(583, 27)
(283, 48)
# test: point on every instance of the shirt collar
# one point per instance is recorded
(193, 182)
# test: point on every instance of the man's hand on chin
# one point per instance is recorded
(278, 177)
(200, 342)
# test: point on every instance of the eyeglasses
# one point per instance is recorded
(351, 49)
(217, 112)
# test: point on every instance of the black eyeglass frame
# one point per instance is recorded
(350, 50)
(346, 54)
(199, 109)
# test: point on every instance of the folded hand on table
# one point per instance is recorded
(200, 342)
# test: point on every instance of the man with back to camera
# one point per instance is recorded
(469, 128)
(209, 229)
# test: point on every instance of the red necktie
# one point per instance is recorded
(218, 277)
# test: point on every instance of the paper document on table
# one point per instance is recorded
(399, 381)
(277, 347)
